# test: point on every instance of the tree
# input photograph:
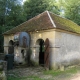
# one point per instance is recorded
(2, 22)
(11, 15)
(2, 12)
(35, 7)
(1, 40)
(15, 16)
(72, 10)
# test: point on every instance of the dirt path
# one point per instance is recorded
(38, 71)
(76, 77)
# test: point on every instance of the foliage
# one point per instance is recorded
(11, 15)
(58, 72)
(15, 16)
(2, 10)
(72, 10)
(35, 7)
(12, 78)
(24, 78)
(69, 9)
(1, 40)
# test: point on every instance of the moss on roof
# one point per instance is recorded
(65, 24)
(43, 22)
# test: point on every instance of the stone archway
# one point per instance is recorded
(40, 43)
(11, 47)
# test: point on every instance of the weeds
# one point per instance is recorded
(55, 74)
(58, 72)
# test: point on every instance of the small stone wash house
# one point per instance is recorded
(54, 41)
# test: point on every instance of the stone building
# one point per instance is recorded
(61, 36)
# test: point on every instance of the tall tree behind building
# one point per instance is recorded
(11, 15)
(35, 7)
(72, 10)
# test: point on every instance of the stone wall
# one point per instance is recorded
(3, 70)
(17, 50)
(7, 38)
(64, 47)
(35, 36)
(67, 51)
(50, 34)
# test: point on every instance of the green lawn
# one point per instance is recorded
(58, 72)
(24, 78)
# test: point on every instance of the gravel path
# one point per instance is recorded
(30, 71)
(38, 71)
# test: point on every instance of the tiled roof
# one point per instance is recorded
(44, 21)
(65, 24)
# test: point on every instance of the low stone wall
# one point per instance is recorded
(3, 70)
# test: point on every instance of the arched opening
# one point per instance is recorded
(22, 51)
(11, 47)
(40, 42)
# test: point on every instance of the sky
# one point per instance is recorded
(23, 1)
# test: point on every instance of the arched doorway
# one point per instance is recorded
(11, 47)
(40, 42)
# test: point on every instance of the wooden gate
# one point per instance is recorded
(46, 54)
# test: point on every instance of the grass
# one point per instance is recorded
(13, 78)
(58, 72)
(66, 74)
(24, 78)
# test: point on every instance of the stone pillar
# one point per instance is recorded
(54, 58)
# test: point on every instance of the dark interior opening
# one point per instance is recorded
(11, 47)
(22, 51)
(41, 52)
